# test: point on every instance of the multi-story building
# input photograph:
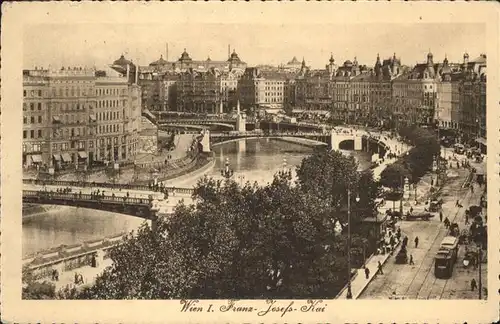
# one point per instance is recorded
(66, 110)
(199, 92)
(473, 98)
(448, 114)
(36, 117)
(117, 119)
(264, 89)
(158, 81)
(415, 94)
(185, 63)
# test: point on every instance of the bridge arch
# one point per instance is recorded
(347, 144)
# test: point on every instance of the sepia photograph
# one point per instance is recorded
(201, 160)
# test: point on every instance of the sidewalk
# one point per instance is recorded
(67, 278)
(359, 281)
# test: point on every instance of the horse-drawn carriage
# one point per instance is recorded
(435, 205)
(418, 215)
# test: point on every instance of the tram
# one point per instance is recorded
(446, 257)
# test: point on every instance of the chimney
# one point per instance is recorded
(228, 51)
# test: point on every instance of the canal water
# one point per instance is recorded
(252, 160)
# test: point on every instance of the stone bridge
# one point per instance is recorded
(334, 140)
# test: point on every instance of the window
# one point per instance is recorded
(25, 120)
(24, 134)
(32, 119)
(40, 133)
(32, 134)
(39, 119)
(24, 93)
(64, 146)
(36, 147)
(54, 147)
(39, 93)
(32, 106)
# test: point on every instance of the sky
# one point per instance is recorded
(97, 45)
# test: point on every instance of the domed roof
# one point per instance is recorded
(160, 61)
(294, 61)
(185, 56)
(347, 63)
(332, 60)
(122, 61)
(234, 56)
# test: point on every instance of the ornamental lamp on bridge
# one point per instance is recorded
(227, 172)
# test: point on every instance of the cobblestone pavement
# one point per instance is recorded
(418, 281)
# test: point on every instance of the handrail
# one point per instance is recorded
(105, 185)
(86, 197)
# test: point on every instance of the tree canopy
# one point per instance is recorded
(281, 240)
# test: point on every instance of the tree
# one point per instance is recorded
(391, 176)
(33, 289)
(275, 241)
(328, 175)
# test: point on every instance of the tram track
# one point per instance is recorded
(435, 282)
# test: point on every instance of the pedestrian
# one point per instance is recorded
(441, 216)
(472, 188)
(466, 219)
(416, 242)
(379, 266)
(367, 273)
(473, 284)
(457, 203)
(411, 210)
(411, 260)
(76, 278)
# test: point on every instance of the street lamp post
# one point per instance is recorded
(227, 172)
(349, 291)
(480, 286)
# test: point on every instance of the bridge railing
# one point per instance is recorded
(267, 134)
(106, 185)
(50, 195)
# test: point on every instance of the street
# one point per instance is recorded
(418, 281)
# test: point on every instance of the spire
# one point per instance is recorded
(331, 58)
(377, 63)
(429, 58)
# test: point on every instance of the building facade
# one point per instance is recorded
(67, 112)
(265, 90)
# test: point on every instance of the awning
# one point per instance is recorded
(36, 158)
(92, 117)
(66, 157)
(82, 155)
(481, 140)
(56, 118)
(57, 157)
